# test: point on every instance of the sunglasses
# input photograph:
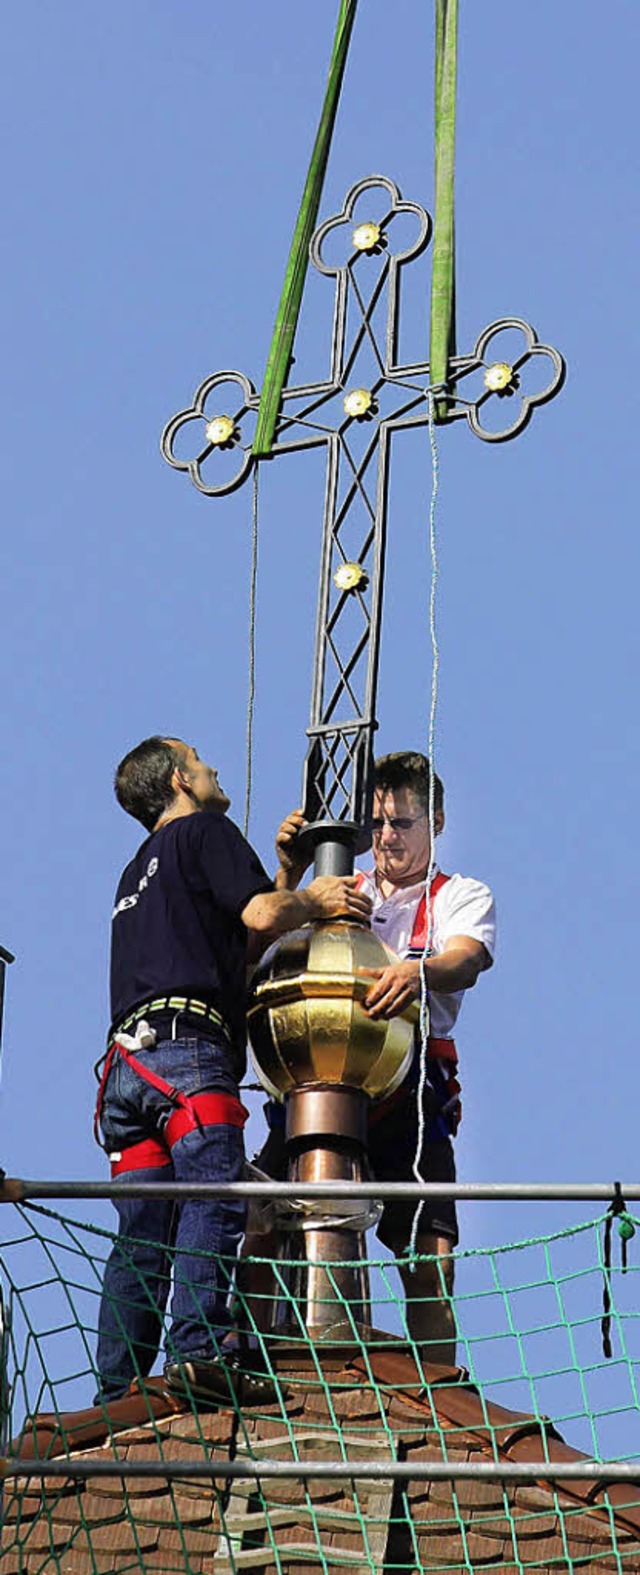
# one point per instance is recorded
(397, 822)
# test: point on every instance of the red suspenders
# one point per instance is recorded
(421, 922)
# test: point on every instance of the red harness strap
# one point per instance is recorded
(150, 1154)
(192, 1110)
(214, 1109)
(108, 1062)
(421, 922)
(443, 1050)
(207, 1110)
(136, 1066)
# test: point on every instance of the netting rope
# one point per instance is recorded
(528, 1326)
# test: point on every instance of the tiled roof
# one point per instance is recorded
(193, 1527)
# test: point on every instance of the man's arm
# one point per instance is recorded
(455, 968)
(272, 913)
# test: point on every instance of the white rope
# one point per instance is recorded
(252, 650)
(435, 666)
(5, 959)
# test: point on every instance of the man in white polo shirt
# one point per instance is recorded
(455, 921)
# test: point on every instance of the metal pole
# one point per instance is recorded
(4, 1398)
(6, 958)
(17, 1190)
(335, 1470)
(334, 854)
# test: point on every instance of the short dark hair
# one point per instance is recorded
(409, 769)
(143, 779)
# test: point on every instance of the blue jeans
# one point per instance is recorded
(199, 1238)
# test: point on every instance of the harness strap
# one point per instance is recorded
(205, 1110)
(150, 1154)
(443, 1050)
(159, 1083)
(420, 924)
(108, 1062)
(192, 1110)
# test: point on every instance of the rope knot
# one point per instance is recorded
(626, 1229)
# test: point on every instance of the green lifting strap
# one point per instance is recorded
(290, 300)
(443, 283)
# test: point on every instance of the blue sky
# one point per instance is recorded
(155, 156)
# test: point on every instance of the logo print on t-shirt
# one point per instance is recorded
(130, 902)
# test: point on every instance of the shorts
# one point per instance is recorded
(392, 1146)
(392, 1150)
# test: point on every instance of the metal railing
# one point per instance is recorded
(15, 1189)
(331, 1470)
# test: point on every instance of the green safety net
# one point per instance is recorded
(528, 1319)
(443, 284)
(281, 348)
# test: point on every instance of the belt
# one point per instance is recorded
(178, 1004)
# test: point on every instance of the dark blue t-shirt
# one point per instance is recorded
(176, 926)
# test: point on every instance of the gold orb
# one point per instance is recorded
(306, 1020)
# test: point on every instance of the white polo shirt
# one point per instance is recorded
(461, 907)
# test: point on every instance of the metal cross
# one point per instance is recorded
(367, 396)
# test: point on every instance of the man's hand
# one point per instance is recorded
(395, 987)
(272, 913)
(292, 866)
(337, 897)
(456, 968)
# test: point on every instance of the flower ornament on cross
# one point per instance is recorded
(213, 425)
(501, 380)
(372, 230)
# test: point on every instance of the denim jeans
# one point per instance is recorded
(199, 1238)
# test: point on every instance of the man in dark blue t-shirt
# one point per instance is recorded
(169, 1105)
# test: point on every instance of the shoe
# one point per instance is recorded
(212, 1381)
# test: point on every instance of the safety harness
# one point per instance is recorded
(420, 931)
(191, 1111)
(442, 1056)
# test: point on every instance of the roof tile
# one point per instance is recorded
(483, 1550)
(170, 1520)
(172, 1507)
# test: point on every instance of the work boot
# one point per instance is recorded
(212, 1381)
